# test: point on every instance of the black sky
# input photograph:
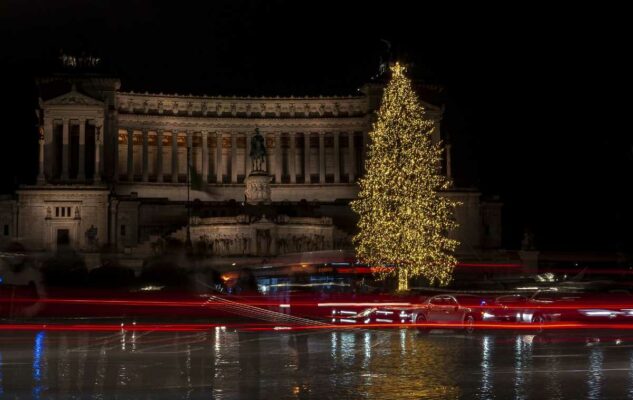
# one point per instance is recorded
(532, 93)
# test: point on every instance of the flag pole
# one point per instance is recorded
(188, 243)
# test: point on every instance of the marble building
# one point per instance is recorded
(113, 172)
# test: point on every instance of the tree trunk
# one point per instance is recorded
(403, 280)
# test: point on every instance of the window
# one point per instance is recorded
(122, 230)
(450, 302)
(63, 212)
(438, 301)
(6, 230)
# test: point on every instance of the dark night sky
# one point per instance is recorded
(531, 93)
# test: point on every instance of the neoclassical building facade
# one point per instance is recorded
(126, 171)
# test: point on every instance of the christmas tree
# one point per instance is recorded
(403, 218)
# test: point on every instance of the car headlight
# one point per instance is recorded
(487, 315)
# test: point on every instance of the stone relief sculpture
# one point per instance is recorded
(225, 245)
(263, 240)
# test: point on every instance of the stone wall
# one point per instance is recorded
(44, 212)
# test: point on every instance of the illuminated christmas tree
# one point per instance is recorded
(404, 219)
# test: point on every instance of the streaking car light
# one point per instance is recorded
(151, 288)
(384, 312)
(600, 313)
(363, 304)
(487, 315)
(388, 321)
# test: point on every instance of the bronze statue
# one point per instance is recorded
(258, 151)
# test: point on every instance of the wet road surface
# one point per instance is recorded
(359, 364)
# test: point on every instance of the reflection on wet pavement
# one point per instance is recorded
(376, 364)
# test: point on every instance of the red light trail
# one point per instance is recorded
(274, 328)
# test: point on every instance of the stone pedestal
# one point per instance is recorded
(257, 187)
(529, 258)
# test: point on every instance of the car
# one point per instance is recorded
(454, 310)
(565, 305)
(444, 310)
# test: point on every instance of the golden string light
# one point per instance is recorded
(403, 218)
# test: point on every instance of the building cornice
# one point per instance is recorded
(155, 122)
(262, 107)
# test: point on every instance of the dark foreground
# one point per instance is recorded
(376, 364)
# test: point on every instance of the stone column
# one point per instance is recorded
(292, 158)
(337, 158)
(130, 155)
(233, 157)
(352, 157)
(205, 158)
(321, 157)
(96, 177)
(65, 149)
(218, 158)
(113, 221)
(159, 155)
(145, 155)
(279, 160)
(49, 149)
(247, 156)
(364, 155)
(449, 162)
(40, 174)
(306, 157)
(174, 156)
(81, 174)
(115, 158)
(189, 155)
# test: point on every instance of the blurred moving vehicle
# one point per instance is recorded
(443, 310)
(556, 305)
